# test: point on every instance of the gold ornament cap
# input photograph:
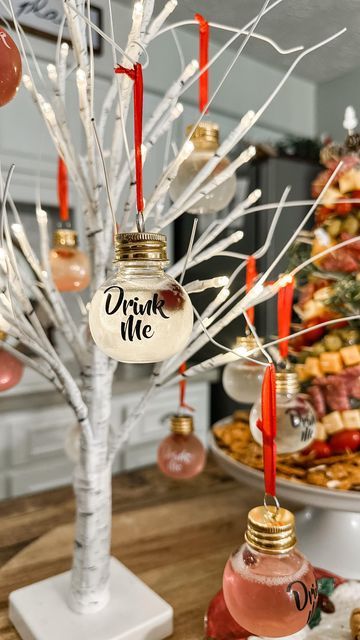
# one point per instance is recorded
(182, 425)
(3, 336)
(65, 239)
(246, 343)
(205, 136)
(287, 382)
(271, 530)
(140, 246)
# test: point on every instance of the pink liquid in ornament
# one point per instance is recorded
(270, 595)
(181, 456)
(70, 269)
(11, 370)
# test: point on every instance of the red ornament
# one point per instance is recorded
(11, 370)
(10, 67)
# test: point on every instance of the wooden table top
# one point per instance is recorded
(176, 536)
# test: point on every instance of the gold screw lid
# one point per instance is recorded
(3, 336)
(140, 246)
(271, 530)
(182, 424)
(65, 238)
(205, 136)
(287, 382)
(246, 343)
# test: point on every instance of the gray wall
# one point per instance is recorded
(332, 98)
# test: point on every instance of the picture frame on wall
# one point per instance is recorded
(42, 18)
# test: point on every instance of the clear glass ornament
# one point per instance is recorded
(242, 379)
(70, 267)
(269, 587)
(140, 314)
(206, 141)
(295, 417)
(181, 455)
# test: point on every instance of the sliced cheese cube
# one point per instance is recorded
(312, 367)
(350, 355)
(351, 419)
(302, 372)
(320, 433)
(333, 422)
(330, 362)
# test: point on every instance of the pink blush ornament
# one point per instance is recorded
(181, 455)
(11, 370)
(10, 67)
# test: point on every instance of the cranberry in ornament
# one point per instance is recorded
(10, 67)
(70, 267)
(269, 586)
(11, 370)
(140, 314)
(295, 417)
(181, 455)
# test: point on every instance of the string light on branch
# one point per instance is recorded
(10, 67)
(70, 267)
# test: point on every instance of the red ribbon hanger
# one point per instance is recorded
(182, 388)
(267, 425)
(284, 311)
(204, 32)
(63, 191)
(251, 275)
(136, 75)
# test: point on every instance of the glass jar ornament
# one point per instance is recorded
(242, 379)
(295, 417)
(181, 455)
(10, 67)
(269, 587)
(206, 142)
(70, 267)
(140, 314)
(11, 369)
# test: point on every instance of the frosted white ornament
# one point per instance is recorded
(206, 141)
(242, 379)
(295, 417)
(140, 314)
(350, 120)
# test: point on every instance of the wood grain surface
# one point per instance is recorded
(176, 536)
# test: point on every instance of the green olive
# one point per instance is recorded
(334, 227)
(332, 342)
(350, 225)
(317, 348)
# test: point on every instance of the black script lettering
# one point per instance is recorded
(109, 298)
(133, 328)
(158, 306)
(146, 331)
(301, 597)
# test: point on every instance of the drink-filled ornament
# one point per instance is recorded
(11, 369)
(295, 417)
(242, 379)
(140, 314)
(181, 455)
(269, 587)
(70, 267)
(205, 139)
(10, 67)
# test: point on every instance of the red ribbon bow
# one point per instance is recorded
(136, 75)
(267, 425)
(284, 311)
(204, 31)
(251, 275)
(182, 387)
(63, 191)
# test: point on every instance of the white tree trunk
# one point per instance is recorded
(92, 486)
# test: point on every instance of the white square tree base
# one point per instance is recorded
(134, 612)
